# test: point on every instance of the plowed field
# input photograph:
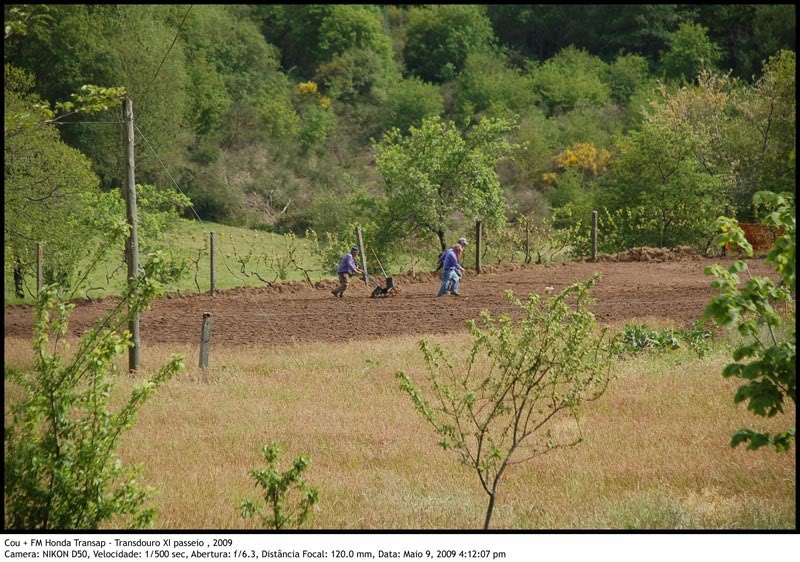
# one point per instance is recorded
(294, 312)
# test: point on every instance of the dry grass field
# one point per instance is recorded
(655, 454)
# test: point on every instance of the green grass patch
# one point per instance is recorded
(241, 255)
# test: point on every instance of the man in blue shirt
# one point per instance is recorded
(451, 271)
(347, 267)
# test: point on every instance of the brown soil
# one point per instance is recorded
(675, 290)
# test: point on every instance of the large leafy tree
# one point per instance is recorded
(488, 83)
(440, 37)
(689, 52)
(314, 35)
(435, 173)
(745, 134)
(409, 102)
(540, 31)
(748, 34)
(573, 77)
(113, 45)
(656, 171)
(48, 188)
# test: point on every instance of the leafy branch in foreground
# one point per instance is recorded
(279, 511)
(61, 466)
(520, 392)
(771, 372)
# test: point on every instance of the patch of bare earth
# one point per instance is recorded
(660, 284)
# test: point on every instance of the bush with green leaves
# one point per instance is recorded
(61, 466)
(520, 392)
(631, 227)
(288, 499)
(767, 360)
(640, 337)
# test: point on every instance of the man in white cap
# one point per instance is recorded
(347, 267)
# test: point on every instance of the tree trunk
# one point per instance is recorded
(18, 291)
(489, 509)
(442, 243)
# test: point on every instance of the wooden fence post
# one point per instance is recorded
(39, 267)
(363, 255)
(205, 340)
(478, 231)
(527, 241)
(212, 268)
(594, 235)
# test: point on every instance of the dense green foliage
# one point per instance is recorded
(434, 172)
(269, 115)
(764, 314)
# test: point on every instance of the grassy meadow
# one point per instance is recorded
(656, 453)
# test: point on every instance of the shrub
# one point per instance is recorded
(61, 467)
(508, 403)
(771, 372)
(279, 512)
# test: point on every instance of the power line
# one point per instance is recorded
(184, 194)
(168, 50)
(167, 171)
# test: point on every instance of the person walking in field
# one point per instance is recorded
(347, 267)
(451, 272)
(458, 249)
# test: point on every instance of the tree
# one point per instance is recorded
(767, 360)
(520, 392)
(573, 77)
(435, 172)
(743, 133)
(488, 84)
(441, 36)
(313, 35)
(61, 467)
(409, 102)
(48, 186)
(690, 51)
(625, 75)
(539, 31)
(118, 45)
(656, 170)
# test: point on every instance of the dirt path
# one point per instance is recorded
(670, 290)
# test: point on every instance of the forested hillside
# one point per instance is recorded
(409, 120)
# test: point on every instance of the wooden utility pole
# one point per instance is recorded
(363, 255)
(478, 231)
(132, 244)
(594, 235)
(211, 254)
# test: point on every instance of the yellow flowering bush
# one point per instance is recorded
(307, 88)
(583, 157)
